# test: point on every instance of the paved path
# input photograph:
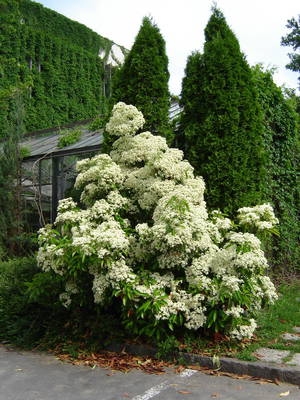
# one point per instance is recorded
(35, 376)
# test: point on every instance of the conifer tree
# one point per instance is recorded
(222, 120)
(191, 85)
(143, 79)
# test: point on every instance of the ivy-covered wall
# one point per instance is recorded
(56, 59)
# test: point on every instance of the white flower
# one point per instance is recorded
(268, 288)
(231, 283)
(65, 299)
(235, 311)
(66, 205)
(130, 151)
(125, 120)
(244, 239)
(261, 217)
(244, 331)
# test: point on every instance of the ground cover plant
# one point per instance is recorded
(141, 242)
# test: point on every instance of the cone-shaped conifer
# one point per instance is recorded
(222, 120)
(143, 79)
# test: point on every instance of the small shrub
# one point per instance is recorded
(26, 305)
(69, 137)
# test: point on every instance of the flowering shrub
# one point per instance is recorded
(142, 235)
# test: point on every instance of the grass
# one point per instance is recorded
(277, 319)
(272, 322)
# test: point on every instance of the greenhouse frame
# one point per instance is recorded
(48, 171)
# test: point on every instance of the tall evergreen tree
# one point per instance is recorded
(143, 79)
(222, 120)
(191, 86)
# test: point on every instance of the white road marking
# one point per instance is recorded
(187, 373)
(155, 390)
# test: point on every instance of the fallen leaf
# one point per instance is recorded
(216, 394)
(19, 370)
(125, 395)
(283, 394)
(276, 381)
(184, 392)
(180, 369)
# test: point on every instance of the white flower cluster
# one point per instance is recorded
(97, 176)
(186, 303)
(244, 331)
(134, 150)
(145, 222)
(221, 222)
(65, 297)
(261, 217)
(125, 120)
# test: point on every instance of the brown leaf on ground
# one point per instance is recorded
(184, 392)
(117, 362)
(218, 337)
(216, 394)
(179, 369)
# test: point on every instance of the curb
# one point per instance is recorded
(257, 369)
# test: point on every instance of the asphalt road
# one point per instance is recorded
(36, 376)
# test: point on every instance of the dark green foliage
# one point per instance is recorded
(23, 320)
(97, 123)
(57, 58)
(283, 189)
(10, 172)
(31, 313)
(293, 39)
(143, 79)
(222, 121)
(191, 86)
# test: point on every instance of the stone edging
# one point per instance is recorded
(258, 369)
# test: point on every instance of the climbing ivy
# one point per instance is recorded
(57, 57)
(281, 130)
(68, 137)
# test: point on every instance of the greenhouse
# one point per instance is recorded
(48, 171)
